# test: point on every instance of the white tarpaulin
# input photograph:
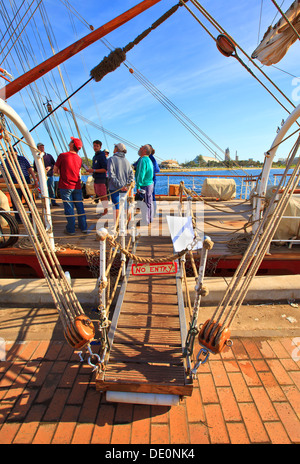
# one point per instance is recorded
(224, 189)
(182, 232)
(278, 39)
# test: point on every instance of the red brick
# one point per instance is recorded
(265, 349)
(289, 365)
(8, 432)
(207, 388)
(219, 374)
(82, 434)
(178, 425)
(69, 376)
(263, 404)
(48, 388)
(40, 374)
(237, 433)
(79, 390)
(239, 350)
(53, 350)
(44, 434)
(239, 387)
(40, 351)
(216, 425)
(277, 433)
(293, 395)
(124, 413)
(103, 425)
(159, 414)
(260, 365)
(160, 434)
(249, 373)
(279, 372)
(8, 403)
(28, 429)
(66, 426)
(140, 432)
(289, 420)
(253, 423)
(198, 434)
(278, 348)
(291, 345)
(56, 405)
(231, 366)
(194, 407)
(228, 404)
(251, 348)
(22, 405)
(296, 378)
(121, 434)
(90, 406)
(271, 385)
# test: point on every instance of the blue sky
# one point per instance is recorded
(179, 59)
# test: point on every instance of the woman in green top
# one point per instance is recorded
(144, 182)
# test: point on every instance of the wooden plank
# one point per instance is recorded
(145, 353)
(148, 336)
(145, 320)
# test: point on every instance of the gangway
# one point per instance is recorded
(145, 362)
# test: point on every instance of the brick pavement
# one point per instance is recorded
(248, 394)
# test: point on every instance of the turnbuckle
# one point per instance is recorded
(204, 353)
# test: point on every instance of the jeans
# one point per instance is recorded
(147, 213)
(69, 196)
(51, 190)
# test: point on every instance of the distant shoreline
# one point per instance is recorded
(162, 171)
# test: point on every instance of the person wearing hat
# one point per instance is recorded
(120, 174)
(144, 181)
(98, 170)
(68, 167)
(49, 163)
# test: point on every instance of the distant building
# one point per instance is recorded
(236, 157)
(169, 164)
(227, 154)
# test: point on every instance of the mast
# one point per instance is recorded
(37, 72)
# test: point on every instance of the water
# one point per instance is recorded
(163, 181)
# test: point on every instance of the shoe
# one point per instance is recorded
(68, 233)
(85, 231)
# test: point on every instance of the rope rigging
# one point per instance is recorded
(229, 49)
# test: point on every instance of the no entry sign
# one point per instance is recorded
(154, 268)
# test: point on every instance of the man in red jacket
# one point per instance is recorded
(68, 167)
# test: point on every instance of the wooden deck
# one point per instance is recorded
(221, 225)
(147, 333)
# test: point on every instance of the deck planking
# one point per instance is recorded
(221, 225)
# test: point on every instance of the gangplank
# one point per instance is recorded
(145, 362)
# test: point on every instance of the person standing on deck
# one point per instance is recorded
(99, 169)
(27, 171)
(120, 174)
(144, 182)
(49, 163)
(156, 170)
(68, 167)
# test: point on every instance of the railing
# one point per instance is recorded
(244, 183)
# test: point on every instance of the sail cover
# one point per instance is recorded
(278, 39)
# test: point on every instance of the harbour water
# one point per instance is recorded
(194, 179)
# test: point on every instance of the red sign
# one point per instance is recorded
(153, 268)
